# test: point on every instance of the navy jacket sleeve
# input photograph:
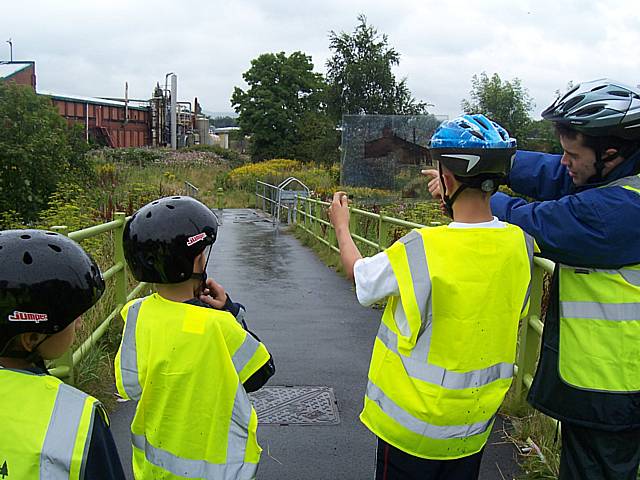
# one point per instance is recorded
(103, 461)
(591, 228)
(540, 176)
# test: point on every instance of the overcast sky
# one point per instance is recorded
(91, 48)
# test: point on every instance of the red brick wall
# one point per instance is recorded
(26, 76)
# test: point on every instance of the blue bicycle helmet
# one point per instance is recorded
(473, 145)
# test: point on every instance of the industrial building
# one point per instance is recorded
(122, 122)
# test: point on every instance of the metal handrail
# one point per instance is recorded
(191, 190)
(531, 327)
(64, 366)
(275, 198)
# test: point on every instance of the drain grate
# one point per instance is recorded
(302, 405)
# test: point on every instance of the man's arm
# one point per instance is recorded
(592, 228)
(539, 175)
(339, 216)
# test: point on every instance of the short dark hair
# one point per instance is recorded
(599, 145)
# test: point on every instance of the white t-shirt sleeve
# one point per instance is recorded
(374, 279)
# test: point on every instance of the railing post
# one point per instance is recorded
(383, 234)
(220, 195)
(316, 224)
(529, 344)
(120, 276)
(66, 360)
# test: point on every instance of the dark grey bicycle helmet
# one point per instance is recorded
(598, 108)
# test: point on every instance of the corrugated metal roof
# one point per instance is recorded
(92, 100)
(7, 69)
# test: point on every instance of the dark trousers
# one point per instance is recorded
(589, 454)
(394, 464)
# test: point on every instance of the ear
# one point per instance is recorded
(612, 154)
(29, 341)
(450, 182)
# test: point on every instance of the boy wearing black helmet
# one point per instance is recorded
(585, 218)
(443, 358)
(47, 429)
(186, 360)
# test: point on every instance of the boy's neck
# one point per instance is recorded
(470, 207)
(177, 292)
(16, 363)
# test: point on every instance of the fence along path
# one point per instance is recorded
(319, 336)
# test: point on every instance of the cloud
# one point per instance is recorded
(92, 48)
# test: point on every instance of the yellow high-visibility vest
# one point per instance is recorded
(444, 355)
(600, 323)
(45, 427)
(185, 366)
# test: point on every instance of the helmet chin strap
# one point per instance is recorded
(448, 201)
(202, 276)
(600, 163)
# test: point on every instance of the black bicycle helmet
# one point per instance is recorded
(163, 238)
(599, 108)
(46, 281)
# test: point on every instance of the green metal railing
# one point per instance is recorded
(63, 367)
(308, 213)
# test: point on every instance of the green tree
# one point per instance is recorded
(541, 137)
(506, 102)
(282, 89)
(360, 76)
(37, 151)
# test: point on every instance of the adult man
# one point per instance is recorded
(587, 219)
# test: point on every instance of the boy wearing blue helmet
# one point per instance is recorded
(443, 357)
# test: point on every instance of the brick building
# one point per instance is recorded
(22, 73)
(108, 122)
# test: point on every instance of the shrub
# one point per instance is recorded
(37, 151)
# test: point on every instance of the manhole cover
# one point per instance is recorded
(308, 405)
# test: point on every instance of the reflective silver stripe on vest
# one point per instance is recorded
(631, 275)
(245, 353)
(619, 312)
(238, 429)
(530, 242)
(418, 267)
(129, 354)
(375, 394)
(62, 433)
(630, 181)
(188, 468)
(422, 370)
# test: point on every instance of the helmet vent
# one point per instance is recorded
(55, 248)
(481, 122)
(477, 134)
(148, 215)
(26, 258)
(176, 198)
(155, 203)
(572, 103)
(586, 112)
(170, 207)
(50, 233)
(599, 87)
(621, 93)
(25, 237)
